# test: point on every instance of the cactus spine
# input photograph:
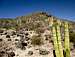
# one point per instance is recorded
(66, 42)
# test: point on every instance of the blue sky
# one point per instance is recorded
(59, 8)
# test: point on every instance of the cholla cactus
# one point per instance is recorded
(66, 42)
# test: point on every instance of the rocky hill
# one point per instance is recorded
(31, 36)
(34, 19)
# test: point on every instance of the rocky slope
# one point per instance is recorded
(31, 36)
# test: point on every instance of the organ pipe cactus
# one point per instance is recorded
(54, 38)
(66, 42)
(59, 38)
(55, 42)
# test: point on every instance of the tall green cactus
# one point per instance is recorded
(59, 38)
(54, 38)
(66, 42)
(55, 42)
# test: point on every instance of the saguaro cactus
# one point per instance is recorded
(59, 38)
(66, 42)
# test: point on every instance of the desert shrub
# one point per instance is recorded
(36, 40)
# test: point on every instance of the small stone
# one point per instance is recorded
(13, 33)
(26, 38)
(1, 40)
(50, 41)
(16, 39)
(30, 53)
(23, 48)
(18, 35)
(20, 45)
(5, 33)
(11, 54)
(1, 31)
(46, 38)
(9, 39)
(43, 52)
(8, 49)
(24, 44)
(3, 54)
(22, 36)
(26, 34)
(7, 36)
(29, 46)
(2, 51)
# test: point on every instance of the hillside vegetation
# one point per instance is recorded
(31, 22)
(33, 32)
(36, 21)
